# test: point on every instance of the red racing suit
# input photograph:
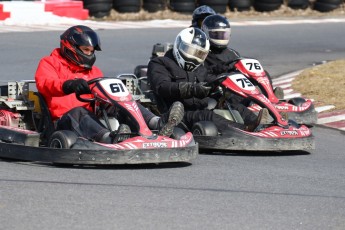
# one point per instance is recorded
(51, 73)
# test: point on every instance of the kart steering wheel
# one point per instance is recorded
(89, 83)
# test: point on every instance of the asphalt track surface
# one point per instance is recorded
(227, 190)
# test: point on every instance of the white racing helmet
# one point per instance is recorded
(191, 48)
(218, 30)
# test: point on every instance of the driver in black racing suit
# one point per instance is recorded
(220, 60)
(180, 76)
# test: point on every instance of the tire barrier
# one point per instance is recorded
(243, 5)
(127, 6)
(182, 6)
(267, 5)
(217, 5)
(98, 8)
(326, 5)
(298, 4)
(103, 8)
(154, 5)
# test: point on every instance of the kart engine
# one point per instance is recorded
(15, 105)
(8, 118)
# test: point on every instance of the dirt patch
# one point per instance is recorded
(324, 83)
(283, 12)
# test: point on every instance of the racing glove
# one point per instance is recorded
(78, 86)
(190, 89)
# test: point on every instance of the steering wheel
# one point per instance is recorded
(89, 83)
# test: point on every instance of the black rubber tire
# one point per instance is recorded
(217, 5)
(266, 7)
(269, 1)
(332, 2)
(178, 133)
(243, 5)
(325, 7)
(298, 4)
(98, 8)
(62, 139)
(297, 101)
(154, 5)
(182, 6)
(127, 6)
(205, 128)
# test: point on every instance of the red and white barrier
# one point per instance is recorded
(45, 10)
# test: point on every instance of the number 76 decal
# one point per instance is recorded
(252, 65)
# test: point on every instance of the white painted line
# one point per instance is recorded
(287, 91)
(289, 75)
(342, 129)
(331, 119)
(284, 81)
(292, 95)
(284, 86)
(324, 108)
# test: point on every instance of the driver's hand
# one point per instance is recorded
(78, 86)
(201, 90)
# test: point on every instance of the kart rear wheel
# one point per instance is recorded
(62, 139)
(297, 101)
(204, 128)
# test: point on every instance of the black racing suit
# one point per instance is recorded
(164, 75)
(220, 61)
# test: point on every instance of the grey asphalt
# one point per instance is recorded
(233, 190)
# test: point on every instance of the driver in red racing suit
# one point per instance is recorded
(65, 73)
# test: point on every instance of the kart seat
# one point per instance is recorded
(44, 123)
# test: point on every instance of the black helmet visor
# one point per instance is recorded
(221, 34)
(88, 38)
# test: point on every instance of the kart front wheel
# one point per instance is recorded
(297, 101)
(204, 128)
(62, 139)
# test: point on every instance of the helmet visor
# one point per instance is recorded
(193, 51)
(221, 34)
(88, 38)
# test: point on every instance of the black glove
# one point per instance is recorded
(78, 86)
(189, 89)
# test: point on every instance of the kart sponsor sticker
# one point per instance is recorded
(155, 145)
(281, 107)
(289, 132)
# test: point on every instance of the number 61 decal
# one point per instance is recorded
(114, 87)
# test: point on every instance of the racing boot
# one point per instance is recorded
(285, 115)
(174, 117)
(279, 92)
(121, 134)
(262, 118)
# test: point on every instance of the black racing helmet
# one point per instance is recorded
(218, 30)
(200, 13)
(75, 37)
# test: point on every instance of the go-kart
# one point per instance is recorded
(280, 135)
(298, 109)
(28, 133)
